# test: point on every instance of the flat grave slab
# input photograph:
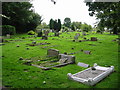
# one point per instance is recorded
(91, 77)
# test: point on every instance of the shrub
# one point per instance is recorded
(31, 32)
(8, 29)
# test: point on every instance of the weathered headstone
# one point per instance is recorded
(52, 52)
(34, 42)
(76, 37)
(93, 39)
(87, 52)
(83, 64)
(70, 58)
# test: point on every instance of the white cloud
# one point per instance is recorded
(74, 9)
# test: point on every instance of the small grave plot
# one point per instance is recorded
(92, 75)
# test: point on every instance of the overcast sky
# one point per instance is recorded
(76, 10)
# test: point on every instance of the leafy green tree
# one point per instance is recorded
(67, 22)
(107, 13)
(59, 25)
(77, 24)
(85, 27)
(20, 15)
(51, 24)
(73, 27)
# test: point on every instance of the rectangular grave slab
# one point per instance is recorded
(83, 64)
(91, 77)
(52, 52)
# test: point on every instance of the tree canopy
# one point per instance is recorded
(67, 22)
(107, 13)
(20, 15)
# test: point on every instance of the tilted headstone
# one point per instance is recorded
(93, 39)
(52, 52)
(83, 64)
(70, 58)
(75, 37)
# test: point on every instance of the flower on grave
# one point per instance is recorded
(93, 68)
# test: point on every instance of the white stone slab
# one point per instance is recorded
(83, 64)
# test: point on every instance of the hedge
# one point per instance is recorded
(8, 29)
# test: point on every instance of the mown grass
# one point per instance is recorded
(17, 75)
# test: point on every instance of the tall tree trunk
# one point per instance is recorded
(115, 30)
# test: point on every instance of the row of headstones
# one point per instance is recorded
(64, 58)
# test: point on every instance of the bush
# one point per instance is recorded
(31, 32)
(8, 29)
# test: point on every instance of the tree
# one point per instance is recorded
(67, 22)
(20, 15)
(85, 27)
(59, 25)
(73, 27)
(107, 13)
(77, 24)
(51, 24)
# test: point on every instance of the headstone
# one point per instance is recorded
(83, 64)
(34, 42)
(76, 37)
(93, 39)
(83, 33)
(78, 34)
(52, 52)
(8, 36)
(46, 32)
(87, 52)
(44, 37)
(70, 58)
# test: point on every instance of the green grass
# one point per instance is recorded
(17, 75)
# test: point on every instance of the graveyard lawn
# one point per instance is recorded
(15, 74)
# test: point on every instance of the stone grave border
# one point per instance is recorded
(95, 80)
